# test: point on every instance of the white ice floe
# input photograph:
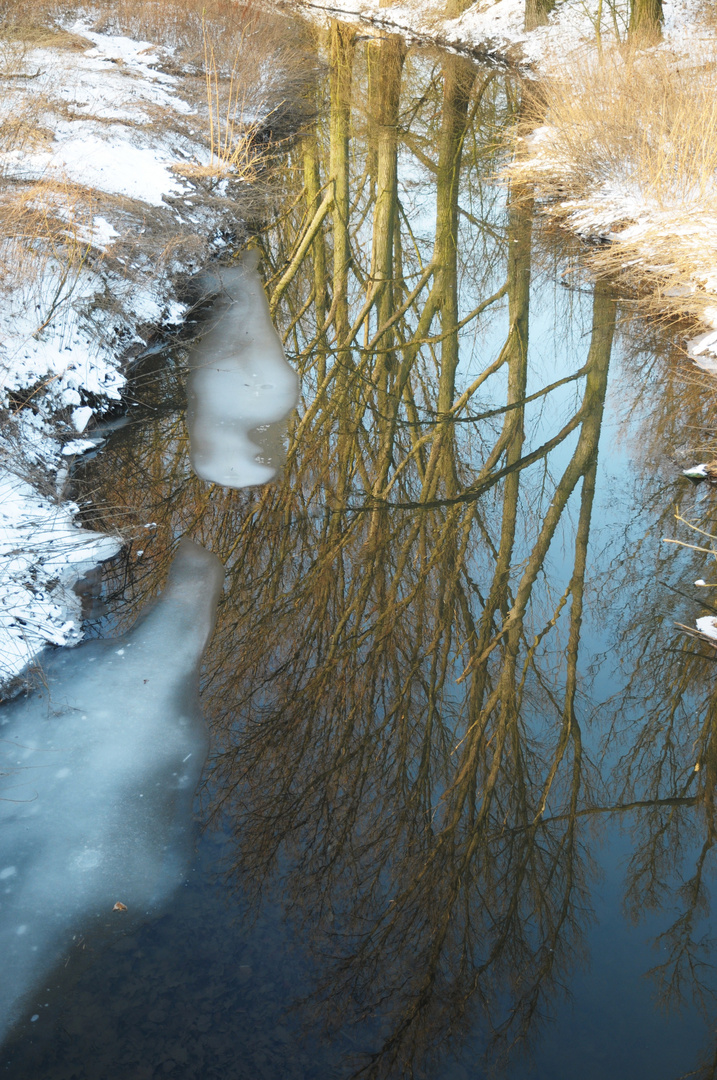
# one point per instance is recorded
(707, 625)
(241, 388)
(97, 772)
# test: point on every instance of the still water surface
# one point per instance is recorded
(451, 824)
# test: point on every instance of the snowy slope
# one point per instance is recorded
(117, 142)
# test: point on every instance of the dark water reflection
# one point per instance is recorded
(455, 730)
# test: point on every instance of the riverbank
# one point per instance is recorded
(636, 179)
(526, 34)
(126, 164)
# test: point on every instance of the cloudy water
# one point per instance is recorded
(451, 823)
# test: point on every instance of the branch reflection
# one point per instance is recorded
(400, 753)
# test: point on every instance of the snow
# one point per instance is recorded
(497, 27)
(491, 28)
(68, 315)
(42, 554)
(240, 382)
(97, 771)
(114, 164)
(138, 56)
(81, 417)
(702, 343)
(707, 625)
(78, 446)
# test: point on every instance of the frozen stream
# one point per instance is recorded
(99, 767)
(456, 820)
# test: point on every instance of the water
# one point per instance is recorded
(451, 824)
(98, 770)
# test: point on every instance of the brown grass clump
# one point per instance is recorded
(626, 148)
(36, 24)
(46, 239)
(38, 36)
(640, 120)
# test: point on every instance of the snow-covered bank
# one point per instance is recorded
(625, 151)
(499, 28)
(42, 555)
(110, 195)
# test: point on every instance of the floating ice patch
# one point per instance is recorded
(130, 733)
(241, 389)
(78, 446)
(707, 625)
(86, 860)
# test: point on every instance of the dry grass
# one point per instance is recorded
(232, 60)
(39, 36)
(254, 60)
(46, 239)
(36, 23)
(258, 61)
(639, 120)
(632, 136)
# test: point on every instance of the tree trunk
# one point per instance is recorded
(536, 13)
(454, 8)
(645, 18)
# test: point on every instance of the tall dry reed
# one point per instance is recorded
(624, 146)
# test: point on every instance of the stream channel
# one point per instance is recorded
(450, 824)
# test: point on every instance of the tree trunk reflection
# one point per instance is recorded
(394, 683)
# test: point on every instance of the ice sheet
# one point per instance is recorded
(97, 772)
(240, 382)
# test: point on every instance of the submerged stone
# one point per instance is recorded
(97, 773)
(241, 388)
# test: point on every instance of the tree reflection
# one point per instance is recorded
(399, 755)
